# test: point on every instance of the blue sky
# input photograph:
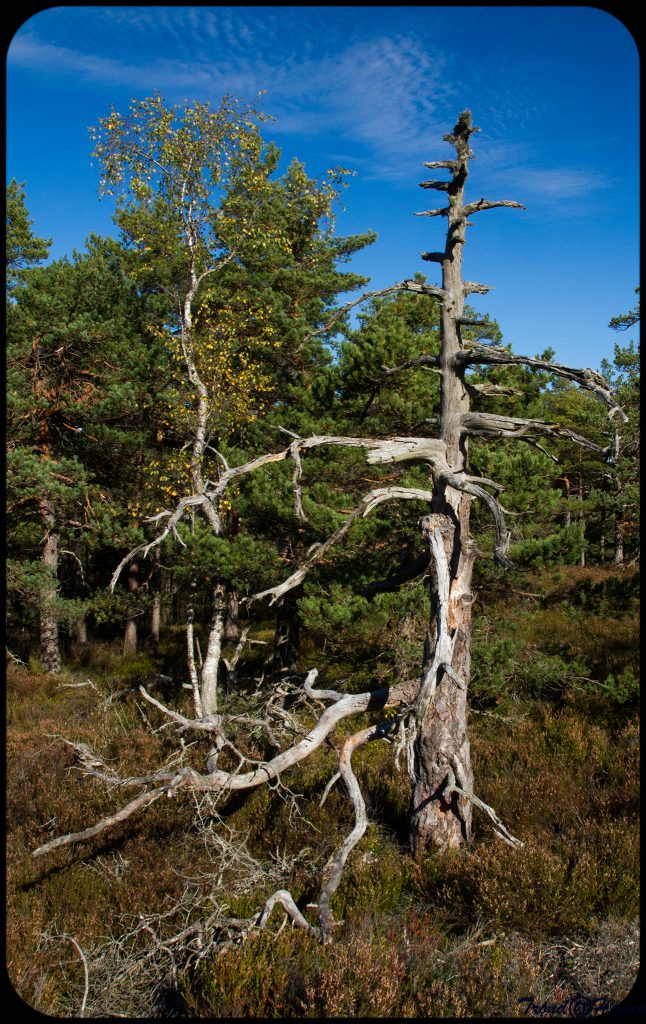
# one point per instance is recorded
(554, 90)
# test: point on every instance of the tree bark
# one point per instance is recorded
(155, 615)
(49, 643)
(130, 637)
(287, 634)
(231, 628)
(155, 620)
(209, 673)
(443, 735)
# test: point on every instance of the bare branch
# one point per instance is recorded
(439, 212)
(407, 285)
(450, 165)
(86, 978)
(585, 378)
(502, 535)
(434, 257)
(334, 868)
(442, 186)
(143, 800)
(286, 901)
(432, 362)
(368, 503)
(470, 287)
(488, 204)
(493, 425)
(487, 388)
(296, 485)
(456, 769)
(218, 780)
(409, 571)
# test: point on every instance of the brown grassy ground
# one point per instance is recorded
(469, 934)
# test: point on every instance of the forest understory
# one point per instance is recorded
(482, 931)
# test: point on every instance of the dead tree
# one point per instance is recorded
(427, 714)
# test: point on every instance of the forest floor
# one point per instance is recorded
(549, 929)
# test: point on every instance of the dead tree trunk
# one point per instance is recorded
(155, 614)
(442, 736)
(209, 673)
(429, 714)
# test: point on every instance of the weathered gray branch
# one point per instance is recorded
(487, 388)
(471, 287)
(432, 362)
(481, 204)
(493, 425)
(368, 502)
(488, 204)
(285, 900)
(409, 571)
(143, 800)
(334, 868)
(407, 285)
(442, 186)
(188, 778)
(451, 787)
(585, 378)
(469, 486)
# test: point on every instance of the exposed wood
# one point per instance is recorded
(369, 502)
(586, 378)
(494, 425)
(487, 204)
(471, 287)
(334, 869)
(442, 186)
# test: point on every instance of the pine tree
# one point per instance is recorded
(75, 362)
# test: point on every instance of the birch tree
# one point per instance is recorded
(197, 206)
(424, 716)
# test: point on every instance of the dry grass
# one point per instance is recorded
(468, 934)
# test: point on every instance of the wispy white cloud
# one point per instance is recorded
(364, 95)
(550, 183)
(561, 182)
(372, 93)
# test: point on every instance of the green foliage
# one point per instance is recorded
(23, 248)
(563, 547)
